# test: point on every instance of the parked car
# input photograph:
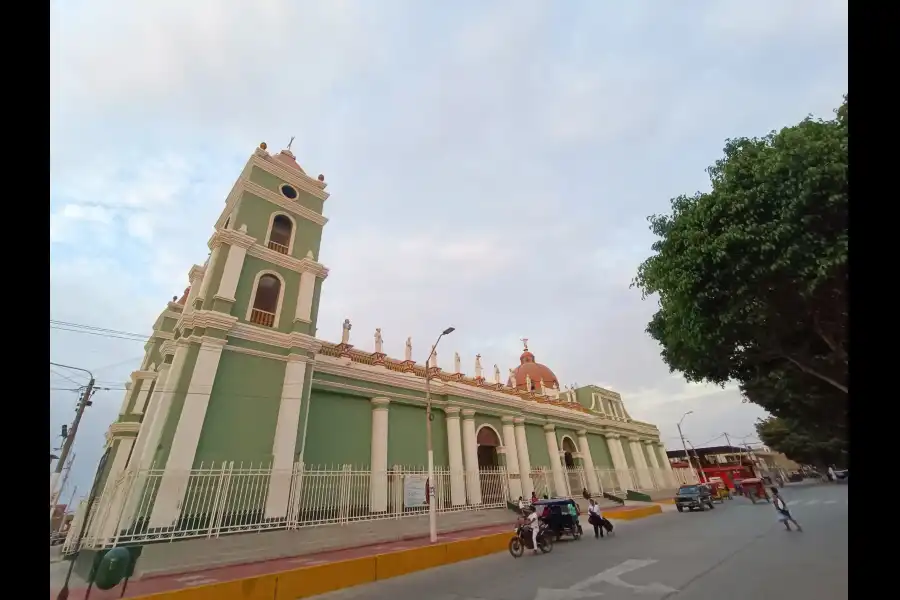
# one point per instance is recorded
(693, 497)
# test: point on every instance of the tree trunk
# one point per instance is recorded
(814, 373)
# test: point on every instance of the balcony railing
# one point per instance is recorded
(261, 317)
(280, 248)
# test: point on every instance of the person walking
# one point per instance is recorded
(595, 518)
(784, 515)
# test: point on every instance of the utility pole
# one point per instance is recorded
(70, 437)
(684, 444)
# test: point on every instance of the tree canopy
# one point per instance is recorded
(793, 439)
(752, 275)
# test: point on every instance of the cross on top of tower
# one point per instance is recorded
(290, 143)
(524, 343)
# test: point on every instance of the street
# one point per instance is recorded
(737, 551)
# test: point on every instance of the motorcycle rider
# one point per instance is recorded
(534, 523)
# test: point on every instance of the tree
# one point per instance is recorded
(799, 444)
(752, 275)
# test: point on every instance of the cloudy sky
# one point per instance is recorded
(491, 167)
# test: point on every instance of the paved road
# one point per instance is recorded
(737, 551)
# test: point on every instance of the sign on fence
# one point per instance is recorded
(414, 491)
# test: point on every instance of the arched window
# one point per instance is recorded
(266, 300)
(280, 234)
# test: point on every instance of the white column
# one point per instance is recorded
(173, 486)
(285, 441)
(232, 272)
(454, 450)
(149, 415)
(640, 464)
(214, 258)
(162, 397)
(524, 459)
(559, 479)
(195, 276)
(470, 453)
(142, 395)
(665, 465)
(584, 448)
(378, 488)
(512, 458)
(114, 495)
(653, 463)
(620, 463)
(305, 296)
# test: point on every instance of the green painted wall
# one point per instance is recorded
(256, 213)
(339, 430)
(537, 445)
(600, 451)
(242, 412)
(252, 266)
(407, 445)
(181, 386)
(629, 456)
(273, 183)
(242, 343)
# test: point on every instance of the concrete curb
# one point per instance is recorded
(313, 580)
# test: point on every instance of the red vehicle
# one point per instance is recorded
(755, 489)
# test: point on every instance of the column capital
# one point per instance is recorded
(633, 438)
(581, 433)
(507, 419)
(452, 411)
(549, 427)
(380, 403)
(650, 442)
(519, 421)
(611, 436)
(468, 413)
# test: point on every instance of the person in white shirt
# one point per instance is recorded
(784, 515)
(532, 520)
(595, 518)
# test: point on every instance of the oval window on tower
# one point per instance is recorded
(288, 192)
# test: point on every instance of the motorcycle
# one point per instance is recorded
(522, 540)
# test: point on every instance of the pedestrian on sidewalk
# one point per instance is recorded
(784, 515)
(595, 518)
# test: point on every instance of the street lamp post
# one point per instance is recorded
(432, 510)
(684, 444)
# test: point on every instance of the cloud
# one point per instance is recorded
(491, 166)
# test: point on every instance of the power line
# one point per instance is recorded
(98, 331)
(67, 378)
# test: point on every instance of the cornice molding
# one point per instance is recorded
(264, 335)
(291, 206)
(232, 237)
(208, 319)
(266, 162)
(299, 265)
(346, 367)
(135, 375)
(123, 429)
(196, 272)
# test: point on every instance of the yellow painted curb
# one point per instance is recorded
(309, 581)
(665, 501)
(632, 514)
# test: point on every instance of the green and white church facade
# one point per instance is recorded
(237, 403)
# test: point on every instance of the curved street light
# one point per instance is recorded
(432, 510)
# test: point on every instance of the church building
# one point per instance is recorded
(229, 421)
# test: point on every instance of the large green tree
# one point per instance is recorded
(751, 276)
(798, 442)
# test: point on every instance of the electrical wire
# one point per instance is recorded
(98, 331)
(58, 374)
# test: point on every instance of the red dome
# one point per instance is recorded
(529, 368)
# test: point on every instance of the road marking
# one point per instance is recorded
(811, 502)
(612, 577)
(831, 502)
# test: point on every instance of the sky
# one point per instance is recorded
(491, 166)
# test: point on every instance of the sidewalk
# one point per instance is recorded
(173, 582)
